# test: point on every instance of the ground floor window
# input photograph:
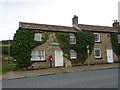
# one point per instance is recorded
(73, 54)
(97, 53)
(38, 55)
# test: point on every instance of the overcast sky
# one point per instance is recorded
(55, 12)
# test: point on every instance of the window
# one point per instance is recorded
(97, 53)
(73, 54)
(72, 40)
(38, 37)
(38, 55)
(118, 38)
(97, 37)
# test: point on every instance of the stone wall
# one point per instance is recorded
(103, 45)
(49, 50)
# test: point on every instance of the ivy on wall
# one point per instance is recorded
(83, 38)
(115, 44)
(63, 40)
(22, 45)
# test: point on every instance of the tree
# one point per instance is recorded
(115, 44)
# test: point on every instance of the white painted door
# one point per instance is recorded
(110, 55)
(58, 58)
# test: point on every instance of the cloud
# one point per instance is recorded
(56, 12)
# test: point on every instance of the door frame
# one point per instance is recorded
(59, 53)
(109, 55)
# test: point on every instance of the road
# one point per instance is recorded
(107, 78)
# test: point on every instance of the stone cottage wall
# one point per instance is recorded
(49, 49)
(103, 45)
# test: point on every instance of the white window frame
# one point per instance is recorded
(73, 54)
(119, 38)
(95, 53)
(38, 37)
(72, 40)
(38, 55)
(97, 37)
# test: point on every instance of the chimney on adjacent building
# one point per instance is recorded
(116, 24)
(75, 20)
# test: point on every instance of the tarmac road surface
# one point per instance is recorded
(106, 78)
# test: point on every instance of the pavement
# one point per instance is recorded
(57, 70)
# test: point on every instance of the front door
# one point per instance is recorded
(58, 58)
(110, 55)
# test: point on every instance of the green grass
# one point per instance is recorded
(8, 67)
(4, 45)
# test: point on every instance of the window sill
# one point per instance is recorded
(73, 58)
(38, 40)
(97, 57)
(72, 43)
(39, 60)
(98, 42)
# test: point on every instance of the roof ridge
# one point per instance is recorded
(96, 25)
(46, 24)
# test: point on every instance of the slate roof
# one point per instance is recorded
(45, 27)
(58, 28)
(96, 28)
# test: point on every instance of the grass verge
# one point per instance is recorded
(8, 67)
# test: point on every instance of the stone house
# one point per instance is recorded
(102, 52)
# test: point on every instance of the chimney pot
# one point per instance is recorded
(116, 24)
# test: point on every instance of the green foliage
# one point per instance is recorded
(82, 40)
(22, 45)
(115, 44)
(9, 67)
(4, 48)
(63, 40)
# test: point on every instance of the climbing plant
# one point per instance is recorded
(63, 40)
(115, 44)
(83, 38)
(22, 45)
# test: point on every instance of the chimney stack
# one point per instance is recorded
(75, 20)
(116, 24)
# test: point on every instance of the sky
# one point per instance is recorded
(55, 12)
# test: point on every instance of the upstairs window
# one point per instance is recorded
(118, 38)
(96, 37)
(73, 54)
(97, 53)
(38, 55)
(38, 37)
(72, 40)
